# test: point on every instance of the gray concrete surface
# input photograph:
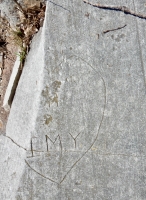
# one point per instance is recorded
(77, 127)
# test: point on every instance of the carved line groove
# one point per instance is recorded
(105, 100)
(40, 173)
(16, 143)
(74, 138)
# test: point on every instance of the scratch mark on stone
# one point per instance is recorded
(99, 154)
(114, 29)
(16, 143)
(123, 9)
(33, 156)
(74, 138)
(37, 151)
(47, 143)
(120, 154)
(31, 147)
(59, 6)
(60, 144)
(40, 173)
(53, 142)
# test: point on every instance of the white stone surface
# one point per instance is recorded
(10, 91)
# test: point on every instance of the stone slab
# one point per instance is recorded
(82, 114)
(1, 62)
(13, 152)
(12, 85)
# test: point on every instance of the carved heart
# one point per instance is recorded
(76, 118)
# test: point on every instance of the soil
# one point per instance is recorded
(8, 52)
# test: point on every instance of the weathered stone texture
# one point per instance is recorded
(80, 107)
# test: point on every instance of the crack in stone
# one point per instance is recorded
(123, 9)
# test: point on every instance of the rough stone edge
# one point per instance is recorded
(12, 147)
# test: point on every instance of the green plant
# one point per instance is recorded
(18, 37)
(22, 55)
